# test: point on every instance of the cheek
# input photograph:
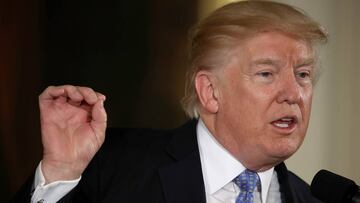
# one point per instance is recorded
(307, 103)
(246, 104)
(308, 94)
(249, 112)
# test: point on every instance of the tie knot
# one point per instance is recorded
(247, 181)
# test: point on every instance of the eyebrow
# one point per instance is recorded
(267, 61)
(306, 62)
(277, 63)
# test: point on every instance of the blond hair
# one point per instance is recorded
(223, 29)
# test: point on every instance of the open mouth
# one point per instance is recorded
(285, 122)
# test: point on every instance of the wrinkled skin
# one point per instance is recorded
(268, 77)
(73, 123)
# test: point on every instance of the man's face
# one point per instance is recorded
(264, 98)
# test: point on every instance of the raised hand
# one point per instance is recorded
(73, 124)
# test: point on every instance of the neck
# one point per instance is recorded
(251, 162)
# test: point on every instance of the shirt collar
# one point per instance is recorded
(219, 167)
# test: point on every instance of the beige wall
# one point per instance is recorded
(334, 133)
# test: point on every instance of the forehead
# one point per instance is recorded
(275, 45)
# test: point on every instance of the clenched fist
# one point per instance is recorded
(73, 124)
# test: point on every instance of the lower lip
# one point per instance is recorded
(286, 131)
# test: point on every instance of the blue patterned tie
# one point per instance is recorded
(247, 182)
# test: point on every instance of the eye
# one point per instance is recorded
(303, 74)
(264, 74)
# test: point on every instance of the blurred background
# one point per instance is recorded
(135, 53)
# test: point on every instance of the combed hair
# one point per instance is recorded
(215, 36)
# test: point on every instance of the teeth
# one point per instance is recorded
(281, 125)
(286, 119)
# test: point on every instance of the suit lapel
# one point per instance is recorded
(287, 193)
(182, 180)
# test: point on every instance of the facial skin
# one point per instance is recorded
(258, 105)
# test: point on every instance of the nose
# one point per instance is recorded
(289, 90)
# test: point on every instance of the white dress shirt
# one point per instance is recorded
(219, 169)
(52, 192)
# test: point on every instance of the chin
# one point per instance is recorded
(282, 151)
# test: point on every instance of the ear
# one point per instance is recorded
(206, 89)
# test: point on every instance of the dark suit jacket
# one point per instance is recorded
(142, 165)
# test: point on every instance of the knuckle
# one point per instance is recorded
(86, 90)
(69, 88)
(49, 88)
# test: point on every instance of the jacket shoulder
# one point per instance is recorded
(144, 140)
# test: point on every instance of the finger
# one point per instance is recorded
(88, 94)
(73, 94)
(52, 92)
(101, 96)
(99, 120)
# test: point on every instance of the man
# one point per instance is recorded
(249, 95)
